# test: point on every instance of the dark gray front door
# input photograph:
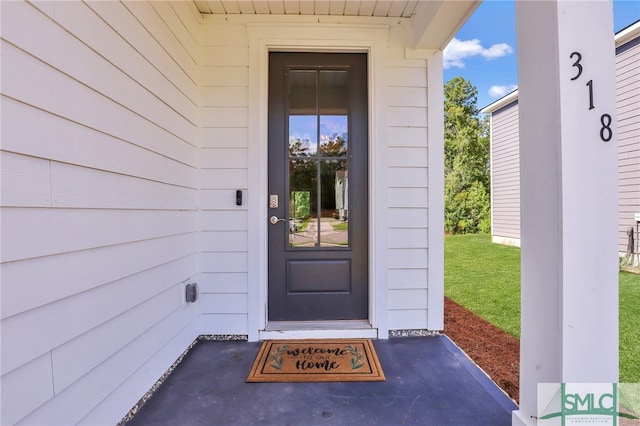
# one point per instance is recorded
(318, 191)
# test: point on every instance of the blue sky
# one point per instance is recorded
(484, 50)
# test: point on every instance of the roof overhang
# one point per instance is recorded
(434, 22)
(503, 101)
(630, 33)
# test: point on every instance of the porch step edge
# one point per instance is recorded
(317, 333)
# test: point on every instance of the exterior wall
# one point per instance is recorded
(628, 111)
(224, 77)
(233, 156)
(126, 130)
(505, 176)
(99, 199)
(407, 187)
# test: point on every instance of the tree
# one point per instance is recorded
(466, 147)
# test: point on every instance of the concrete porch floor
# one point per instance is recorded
(430, 381)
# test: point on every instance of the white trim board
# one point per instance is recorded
(263, 39)
(318, 330)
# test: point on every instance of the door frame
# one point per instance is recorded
(264, 39)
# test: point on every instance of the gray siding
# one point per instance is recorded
(505, 174)
(628, 110)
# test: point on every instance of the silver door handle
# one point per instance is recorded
(274, 220)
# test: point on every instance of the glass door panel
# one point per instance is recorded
(318, 132)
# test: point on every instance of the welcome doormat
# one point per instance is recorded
(325, 360)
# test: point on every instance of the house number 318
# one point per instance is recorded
(605, 119)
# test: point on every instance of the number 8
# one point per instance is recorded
(605, 132)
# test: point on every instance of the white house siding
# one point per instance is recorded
(407, 187)
(127, 127)
(234, 279)
(628, 111)
(99, 198)
(223, 161)
(505, 175)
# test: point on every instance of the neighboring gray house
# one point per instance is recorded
(505, 170)
(505, 157)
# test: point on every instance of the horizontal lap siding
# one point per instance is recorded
(99, 204)
(407, 192)
(628, 111)
(223, 170)
(224, 155)
(505, 173)
(124, 139)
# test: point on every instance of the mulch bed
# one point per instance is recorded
(495, 351)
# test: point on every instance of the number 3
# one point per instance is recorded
(577, 64)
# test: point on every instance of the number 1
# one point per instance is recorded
(590, 85)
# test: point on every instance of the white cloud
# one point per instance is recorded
(500, 91)
(458, 50)
(497, 51)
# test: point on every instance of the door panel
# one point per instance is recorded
(318, 160)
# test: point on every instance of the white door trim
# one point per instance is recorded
(264, 38)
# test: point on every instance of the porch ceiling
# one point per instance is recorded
(391, 9)
(435, 22)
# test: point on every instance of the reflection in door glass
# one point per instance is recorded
(303, 112)
(318, 123)
(334, 135)
(334, 224)
(303, 205)
(303, 139)
(333, 95)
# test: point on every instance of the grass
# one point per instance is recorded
(341, 226)
(485, 278)
(629, 294)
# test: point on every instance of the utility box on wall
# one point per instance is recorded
(191, 292)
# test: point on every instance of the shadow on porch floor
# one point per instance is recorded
(430, 381)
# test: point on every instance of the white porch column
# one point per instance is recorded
(568, 163)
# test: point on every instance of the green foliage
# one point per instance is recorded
(485, 278)
(300, 206)
(468, 211)
(466, 146)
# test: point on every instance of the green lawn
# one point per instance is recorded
(485, 278)
(629, 294)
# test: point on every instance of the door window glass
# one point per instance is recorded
(318, 131)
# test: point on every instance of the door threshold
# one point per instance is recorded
(318, 330)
